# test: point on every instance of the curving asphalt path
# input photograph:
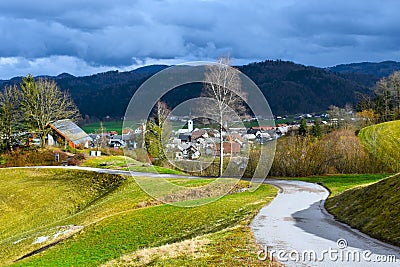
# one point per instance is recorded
(295, 225)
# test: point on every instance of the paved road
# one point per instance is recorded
(295, 225)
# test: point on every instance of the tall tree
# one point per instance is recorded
(316, 129)
(158, 132)
(10, 115)
(43, 102)
(303, 127)
(394, 89)
(222, 83)
(383, 101)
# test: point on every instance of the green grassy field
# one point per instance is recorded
(126, 163)
(110, 218)
(32, 200)
(374, 209)
(383, 141)
(107, 125)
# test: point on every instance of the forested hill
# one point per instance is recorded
(380, 69)
(290, 88)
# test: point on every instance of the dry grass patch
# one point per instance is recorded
(193, 248)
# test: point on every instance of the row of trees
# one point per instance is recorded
(385, 104)
(29, 107)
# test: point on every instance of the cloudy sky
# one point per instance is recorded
(85, 37)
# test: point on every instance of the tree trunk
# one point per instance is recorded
(9, 145)
(221, 150)
(43, 140)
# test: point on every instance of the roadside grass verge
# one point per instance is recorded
(150, 226)
(367, 202)
(234, 246)
(340, 182)
(373, 209)
(126, 164)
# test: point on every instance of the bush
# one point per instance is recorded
(338, 152)
(32, 157)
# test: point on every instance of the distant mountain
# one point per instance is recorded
(289, 88)
(151, 69)
(293, 88)
(65, 75)
(380, 69)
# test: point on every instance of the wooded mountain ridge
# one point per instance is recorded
(290, 88)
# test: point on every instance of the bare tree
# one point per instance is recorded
(222, 83)
(158, 131)
(101, 140)
(384, 95)
(43, 102)
(10, 115)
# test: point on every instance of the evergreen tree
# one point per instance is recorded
(316, 129)
(303, 127)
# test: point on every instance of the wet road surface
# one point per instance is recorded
(297, 230)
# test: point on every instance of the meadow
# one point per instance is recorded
(383, 142)
(90, 219)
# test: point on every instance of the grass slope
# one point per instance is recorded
(116, 221)
(374, 209)
(32, 200)
(341, 182)
(126, 163)
(383, 141)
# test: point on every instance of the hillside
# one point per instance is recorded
(290, 88)
(75, 212)
(383, 141)
(374, 209)
(365, 73)
(381, 69)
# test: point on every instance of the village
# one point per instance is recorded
(189, 143)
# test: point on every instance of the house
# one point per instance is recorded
(116, 142)
(67, 132)
(229, 148)
(140, 129)
(187, 151)
(198, 133)
(185, 137)
(262, 128)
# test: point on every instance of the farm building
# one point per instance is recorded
(67, 132)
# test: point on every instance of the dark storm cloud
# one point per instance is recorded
(101, 34)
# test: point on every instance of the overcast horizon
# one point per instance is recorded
(52, 37)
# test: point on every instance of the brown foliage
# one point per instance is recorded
(338, 152)
(31, 157)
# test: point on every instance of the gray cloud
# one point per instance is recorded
(101, 34)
